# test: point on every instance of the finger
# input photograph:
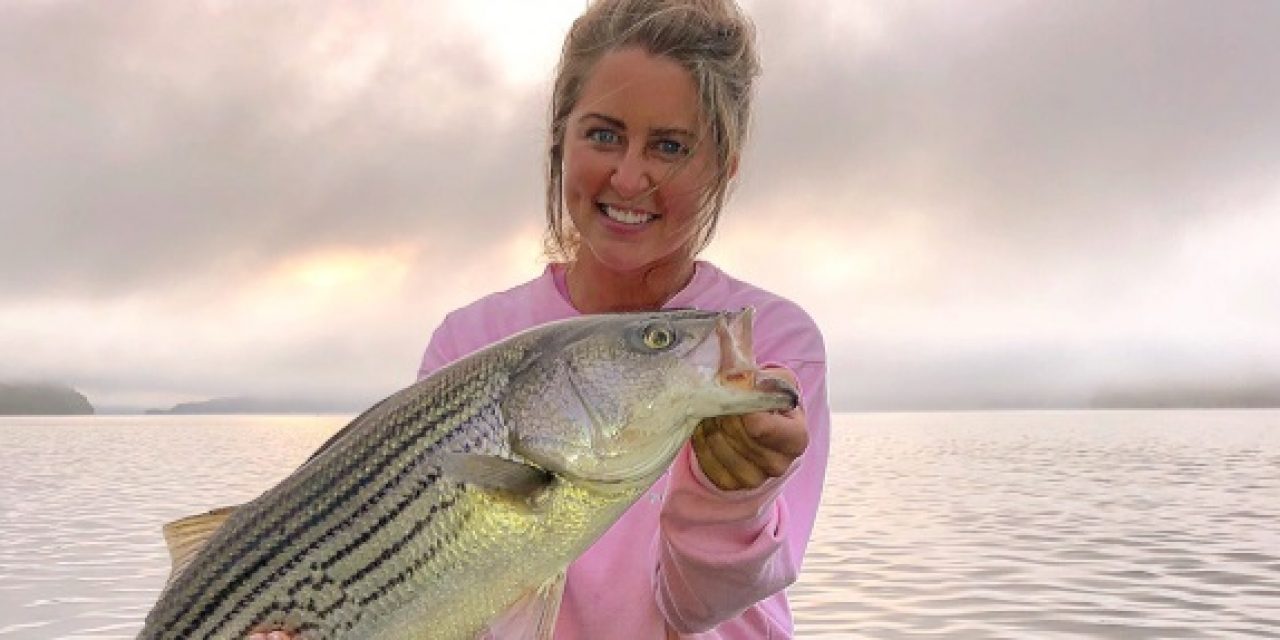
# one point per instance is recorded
(785, 434)
(711, 466)
(709, 425)
(743, 446)
(771, 462)
(742, 468)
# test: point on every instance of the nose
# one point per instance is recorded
(630, 177)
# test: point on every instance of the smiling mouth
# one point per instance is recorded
(620, 215)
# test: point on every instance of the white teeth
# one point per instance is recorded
(627, 217)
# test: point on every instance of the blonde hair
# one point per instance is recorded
(712, 39)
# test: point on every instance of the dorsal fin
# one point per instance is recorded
(187, 536)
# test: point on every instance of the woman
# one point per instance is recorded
(649, 112)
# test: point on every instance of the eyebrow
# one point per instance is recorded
(614, 122)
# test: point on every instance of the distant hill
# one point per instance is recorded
(1208, 395)
(1257, 395)
(249, 405)
(42, 399)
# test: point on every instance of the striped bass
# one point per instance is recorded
(456, 504)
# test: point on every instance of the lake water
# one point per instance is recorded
(1037, 525)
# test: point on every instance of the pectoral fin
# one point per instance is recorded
(494, 472)
(532, 617)
(186, 537)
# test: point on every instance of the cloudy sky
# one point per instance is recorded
(975, 200)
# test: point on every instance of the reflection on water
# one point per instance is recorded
(969, 525)
(1048, 525)
(81, 499)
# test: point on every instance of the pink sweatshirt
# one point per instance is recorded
(687, 557)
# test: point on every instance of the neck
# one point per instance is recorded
(595, 288)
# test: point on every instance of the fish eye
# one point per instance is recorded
(658, 336)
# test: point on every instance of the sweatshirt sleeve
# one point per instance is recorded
(441, 350)
(725, 557)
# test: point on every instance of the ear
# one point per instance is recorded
(733, 166)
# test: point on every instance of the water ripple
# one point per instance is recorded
(1047, 525)
(1020, 525)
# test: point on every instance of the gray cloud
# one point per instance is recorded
(1065, 195)
(149, 141)
(1086, 178)
(1034, 121)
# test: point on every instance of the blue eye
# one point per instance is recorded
(603, 136)
(671, 148)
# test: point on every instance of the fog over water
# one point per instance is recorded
(1006, 204)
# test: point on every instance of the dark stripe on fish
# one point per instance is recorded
(422, 424)
(312, 526)
(253, 539)
(426, 558)
(450, 423)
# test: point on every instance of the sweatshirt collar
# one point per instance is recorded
(557, 288)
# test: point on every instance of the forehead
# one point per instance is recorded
(641, 89)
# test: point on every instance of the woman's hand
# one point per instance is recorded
(742, 452)
(274, 635)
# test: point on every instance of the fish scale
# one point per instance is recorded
(408, 433)
(422, 519)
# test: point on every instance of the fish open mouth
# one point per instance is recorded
(738, 368)
(737, 361)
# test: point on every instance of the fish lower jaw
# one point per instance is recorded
(734, 400)
(634, 462)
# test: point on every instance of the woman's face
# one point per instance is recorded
(633, 179)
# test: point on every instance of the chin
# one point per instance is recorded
(624, 263)
(624, 256)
